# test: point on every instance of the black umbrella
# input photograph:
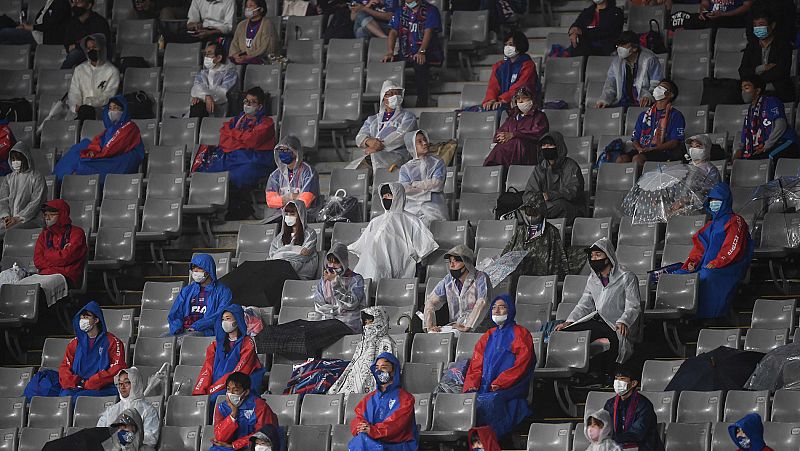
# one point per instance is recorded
(90, 439)
(259, 283)
(300, 339)
(721, 369)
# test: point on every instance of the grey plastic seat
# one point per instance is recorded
(696, 119)
(423, 410)
(166, 160)
(700, 406)
(344, 76)
(154, 351)
(549, 437)
(299, 293)
(676, 296)
(472, 94)
(680, 229)
(439, 125)
(603, 121)
(477, 125)
(59, 134)
(639, 259)
(322, 409)
(617, 176)
(739, 403)
(342, 108)
(378, 72)
(782, 435)
(8, 438)
(19, 305)
(432, 348)
(302, 101)
(786, 406)
(16, 82)
(657, 374)
(351, 402)
(286, 407)
(53, 352)
(482, 179)
(568, 122)
(728, 118)
(764, 340)
(749, 173)
(209, 130)
(474, 151)
(517, 176)
(186, 410)
(596, 400)
(153, 323)
(585, 231)
(182, 55)
(730, 40)
(148, 130)
(208, 193)
(254, 238)
(222, 261)
(570, 93)
(161, 219)
(691, 66)
(449, 234)
(185, 376)
(784, 166)
(564, 70)
(691, 41)
(12, 412)
(468, 30)
(355, 182)
(345, 51)
(24, 131)
(309, 438)
(573, 287)
(147, 51)
(466, 344)
(639, 235)
(119, 213)
(305, 128)
(89, 408)
(279, 375)
(376, 49)
(303, 28)
(303, 76)
(579, 440)
(291, 313)
(534, 316)
(726, 64)
(396, 292)
(180, 438)
(594, 92)
(49, 411)
(691, 92)
(136, 31)
(15, 57)
(123, 186)
(476, 206)
(83, 214)
(13, 381)
(494, 233)
(537, 290)
(664, 404)
(632, 117)
(115, 247)
(48, 57)
(18, 246)
(146, 79)
(453, 415)
(774, 313)
(639, 17)
(682, 437)
(608, 204)
(564, 310)
(179, 131)
(266, 76)
(166, 186)
(567, 354)
(597, 68)
(119, 322)
(306, 51)
(179, 78)
(175, 104)
(347, 232)
(710, 339)
(34, 438)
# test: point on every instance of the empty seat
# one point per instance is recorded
(700, 406)
(518, 176)
(439, 125)
(682, 437)
(764, 340)
(89, 408)
(563, 70)
(476, 206)
(59, 134)
(119, 322)
(184, 377)
(710, 339)
(537, 290)
(180, 438)
(585, 231)
(278, 377)
(154, 351)
(421, 377)
(728, 118)
(307, 51)
(13, 380)
(730, 40)
(49, 412)
(726, 64)
(657, 374)
(691, 41)
(345, 51)
(603, 121)
(15, 57)
(568, 122)
(209, 130)
(676, 296)
(182, 55)
(286, 407)
(494, 233)
(664, 404)
(309, 438)
(12, 412)
(477, 125)
(616, 176)
(321, 409)
(166, 160)
(290, 313)
(53, 352)
(432, 348)
(638, 259)
(34, 438)
(749, 173)
(782, 435)
(774, 313)
(573, 288)
(186, 410)
(739, 403)
(468, 30)
(453, 416)
(549, 436)
(303, 28)
(179, 131)
(396, 292)
(181, 79)
(304, 127)
(193, 349)
(136, 31)
(534, 316)
(786, 406)
(691, 66)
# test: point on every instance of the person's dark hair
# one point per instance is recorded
(385, 189)
(592, 421)
(332, 259)
(219, 50)
(755, 80)
(548, 140)
(475, 439)
(627, 370)
(519, 39)
(240, 379)
(299, 236)
(261, 4)
(763, 13)
(258, 93)
(628, 37)
(673, 88)
(21, 157)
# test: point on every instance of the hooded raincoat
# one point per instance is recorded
(357, 377)
(523, 147)
(605, 443)
(423, 179)
(466, 301)
(394, 242)
(343, 297)
(253, 415)
(705, 163)
(562, 182)
(216, 298)
(89, 365)
(503, 357)
(390, 129)
(304, 265)
(617, 302)
(116, 150)
(61, 248)
(543, 243)
(754, 429)
(389, 413)
(93, 85)
(725, 244)
(647, 74)
(285, 184)
(486, 435)
(150, 422)
(224, 357)
(22, 193)
(130, 417)
(216, 83)
(634, 422)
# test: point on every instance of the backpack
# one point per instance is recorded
(43, 383)
(611, 152)
(508, 203)
(652, 39)
(140, 105)
(16, 110)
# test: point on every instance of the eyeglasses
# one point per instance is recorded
(125, 383)
(250, 102)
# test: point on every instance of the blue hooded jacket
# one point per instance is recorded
(218, 296)
(754, 429)
(86, 364)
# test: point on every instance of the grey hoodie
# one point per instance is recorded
(131, 417)
(344, 297)
(562, 180)
(22, 193)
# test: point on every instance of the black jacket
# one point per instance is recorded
(53, 21)
(644, 426)
(604, 36)
(780, 54)
(77, 30)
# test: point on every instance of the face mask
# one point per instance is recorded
(659, 93)
(16, 165)
(598, 265)
(198, 276)
(286, 157)
(125, 437)
(549, 153)
(499, 319)
(510, 51)
(623, 52)
(249, 109)
(598, 2)
(50, 222)
(593, 432)
(394, 101)
(234, 399)
(714, 205)
(477, 449)
(383, 377)
(249, 13)
(290, 220)
(263, 448)
(208, 63)
(412, 5)
(78, 11)
(114, 116)
(387, 204)
(747, 96)
(228, 326)
(620, 387)
(85, 324)
(525, 106)
(335, 270)
(761, 32)
(696, 153)
(743, 442)
(93, 55)
(456, 273)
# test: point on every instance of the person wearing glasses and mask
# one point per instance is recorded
(130, 386)
(241, 416)
(255, 39)
(340, 292)
(199, 304)
(558, 178)
(94, 82)
(660, 129)
(517, 140)
(632, 76)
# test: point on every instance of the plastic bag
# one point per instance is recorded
(13, 274)
(452, 380)
(157, 382)
(780, 368)
(339, 208)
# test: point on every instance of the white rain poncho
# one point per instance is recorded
(357, 377)
(304, 265)
(423, 179)
(22, 193)
(704, 163)
(135, 400)
(618, 302)
(394, 242)
(605, 443)
(343, 297)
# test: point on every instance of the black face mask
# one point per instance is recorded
(93, 55)
(78, 11)
(549, 154)
(456, 273)
(387, 203)
(599, 265)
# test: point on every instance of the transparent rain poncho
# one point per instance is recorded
(780, 368)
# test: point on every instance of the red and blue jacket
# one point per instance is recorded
(253, 414)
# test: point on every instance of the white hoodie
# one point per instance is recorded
(93, 85)
(135, 400)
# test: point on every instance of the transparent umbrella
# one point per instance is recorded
(667, 191)
(784, 191)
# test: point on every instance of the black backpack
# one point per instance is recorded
(508, 203)
(16, 110)
(140, 105)
(653, 39)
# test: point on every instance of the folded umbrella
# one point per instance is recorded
(720, 369)
(300, 339)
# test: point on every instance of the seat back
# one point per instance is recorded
(677, 291)
(343, 348)
(657, 374)
(34, 438)
(549, 436)
(185, 377)
(454, 412)
(421, 377)
(309, 438)
(321, 409)
(119, 322)
(639, 235)
(115, 244)
(739, 403)
(432, 348)
(494, 233)
(786, 406)
(782, 435)
(397, 292)
(12, 412)
(573, 287)
(595, 400)
(154, 351)
(681, 436)
(700, 406)
(585, 231)
(664, 404)
(180, 438)
(764, 340)
(441, 126)
(477, 125)
(187, 410)
(568, 350)
(50, 411)
(710, 339)
(286, 407)
(466, 345)
(13, 381)
(182, 55)
(89, 408)
(774, 313)
(53, 352)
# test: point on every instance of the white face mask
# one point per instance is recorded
(263, 448)
(198, 276)
(228, 326)
(696, 153)
(620, 387)
(290, 220)
(249, 109)
(16, 165)
(250, 12)
(50, 222)
(510, 51)
(208, 63)
(234, 399)
(499, 319)
(659, 93)
(85, 324)
(525, 106)
(623, 52)
(395, 101)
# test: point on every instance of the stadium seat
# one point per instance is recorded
(309, 438)
(322, 409)
(518, 176)
(664, 404)
(119, 213)
(550, 436)
(657, 374)
(466, 344)
(303, 28)
(639, 234)
(537, 290)
(749, 173)
(782, 435)
(691, 41)
(34, 438)
(597, 68)
(570, 93)
(351, 401)
(482, 179)
(53, 352)
(567, 355)
(638, 259)
(739, 403)
(617, 176)
(59, 134)
(730, 40)
(89, 408)
(396, 292)
(187, 410)
(180, 78)
(209, 130)
(19, 305)
(166, 160)
(700, 406)
(182, 55)
(453, 415)
(474, 151)
(433, 348)
(49, 57)
(342, 108)
(154, 351)
(49, 411)
(710, 339)
(568, 122)
(774, 313)
(15, 57)
(290, 313)
(279, 375)
(114, 249)
(691, 66)
(726, 64)
(472, 94)
(764, 340)
(441, 126)
(299, 293)
(286, 407)
(728, 118)
(680, 229)
(573, 288)
(17, 82)
(120, 322)
(534, 316)
(306, 51)
(184, 377)
(494, 233)
(579, 440)
(12, 411)
(676, 296)
(681, 437)
(180, 438)
(477, 206)
(639, 17)
(469, 30)
(136, 32)
(594, 92)
(603, 121)
(24, 131)
(304, 127)
(153, 323)
(608, 204)
(345, 51)
(161, 218)
(691, 92)
(378, 72)
(596, 400)
(147, 79)
(8, 439)
(786, 406)
(13, 381)
(477, 125)
(148, 130)
(564, 70)
(179, 131)
(585, 231)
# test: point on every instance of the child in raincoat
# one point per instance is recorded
(423, 178)
(597, 430)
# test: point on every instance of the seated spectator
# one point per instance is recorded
(92, 358)
(465, 290)
(597, 430)
(340, 292)
(7, 141)
(766, 133)
(196, 309)
(769, 58)
(297, 242)
(84, 22)
(517, 140)
(613, 292)
(516, 70)
(723, 249)
(597, 28)
(22, 192)
(540, 239)
(724, 13)
(500, 370)
(636, 429)
(782, 11)
(242, 415)
(213, 83)
(482, 438)
(381, 136)
(748, 433)
(59, 254)
(94, 82)
(254, 40)
(633, 76)
(131, 396)
(116, 150)
(417, 24)
(124, 433)
(372, 18)
(699, 149)
(357, 377)
(294, 178)
(47, 27)
(660, 129)
(423, 179)
(385, 417)
(559, 179)
(394, 243)
(245, 150)
(266, 439)
(233, 351)
(210, 20)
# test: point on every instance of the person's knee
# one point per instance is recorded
(623, 159)
(640, 159)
